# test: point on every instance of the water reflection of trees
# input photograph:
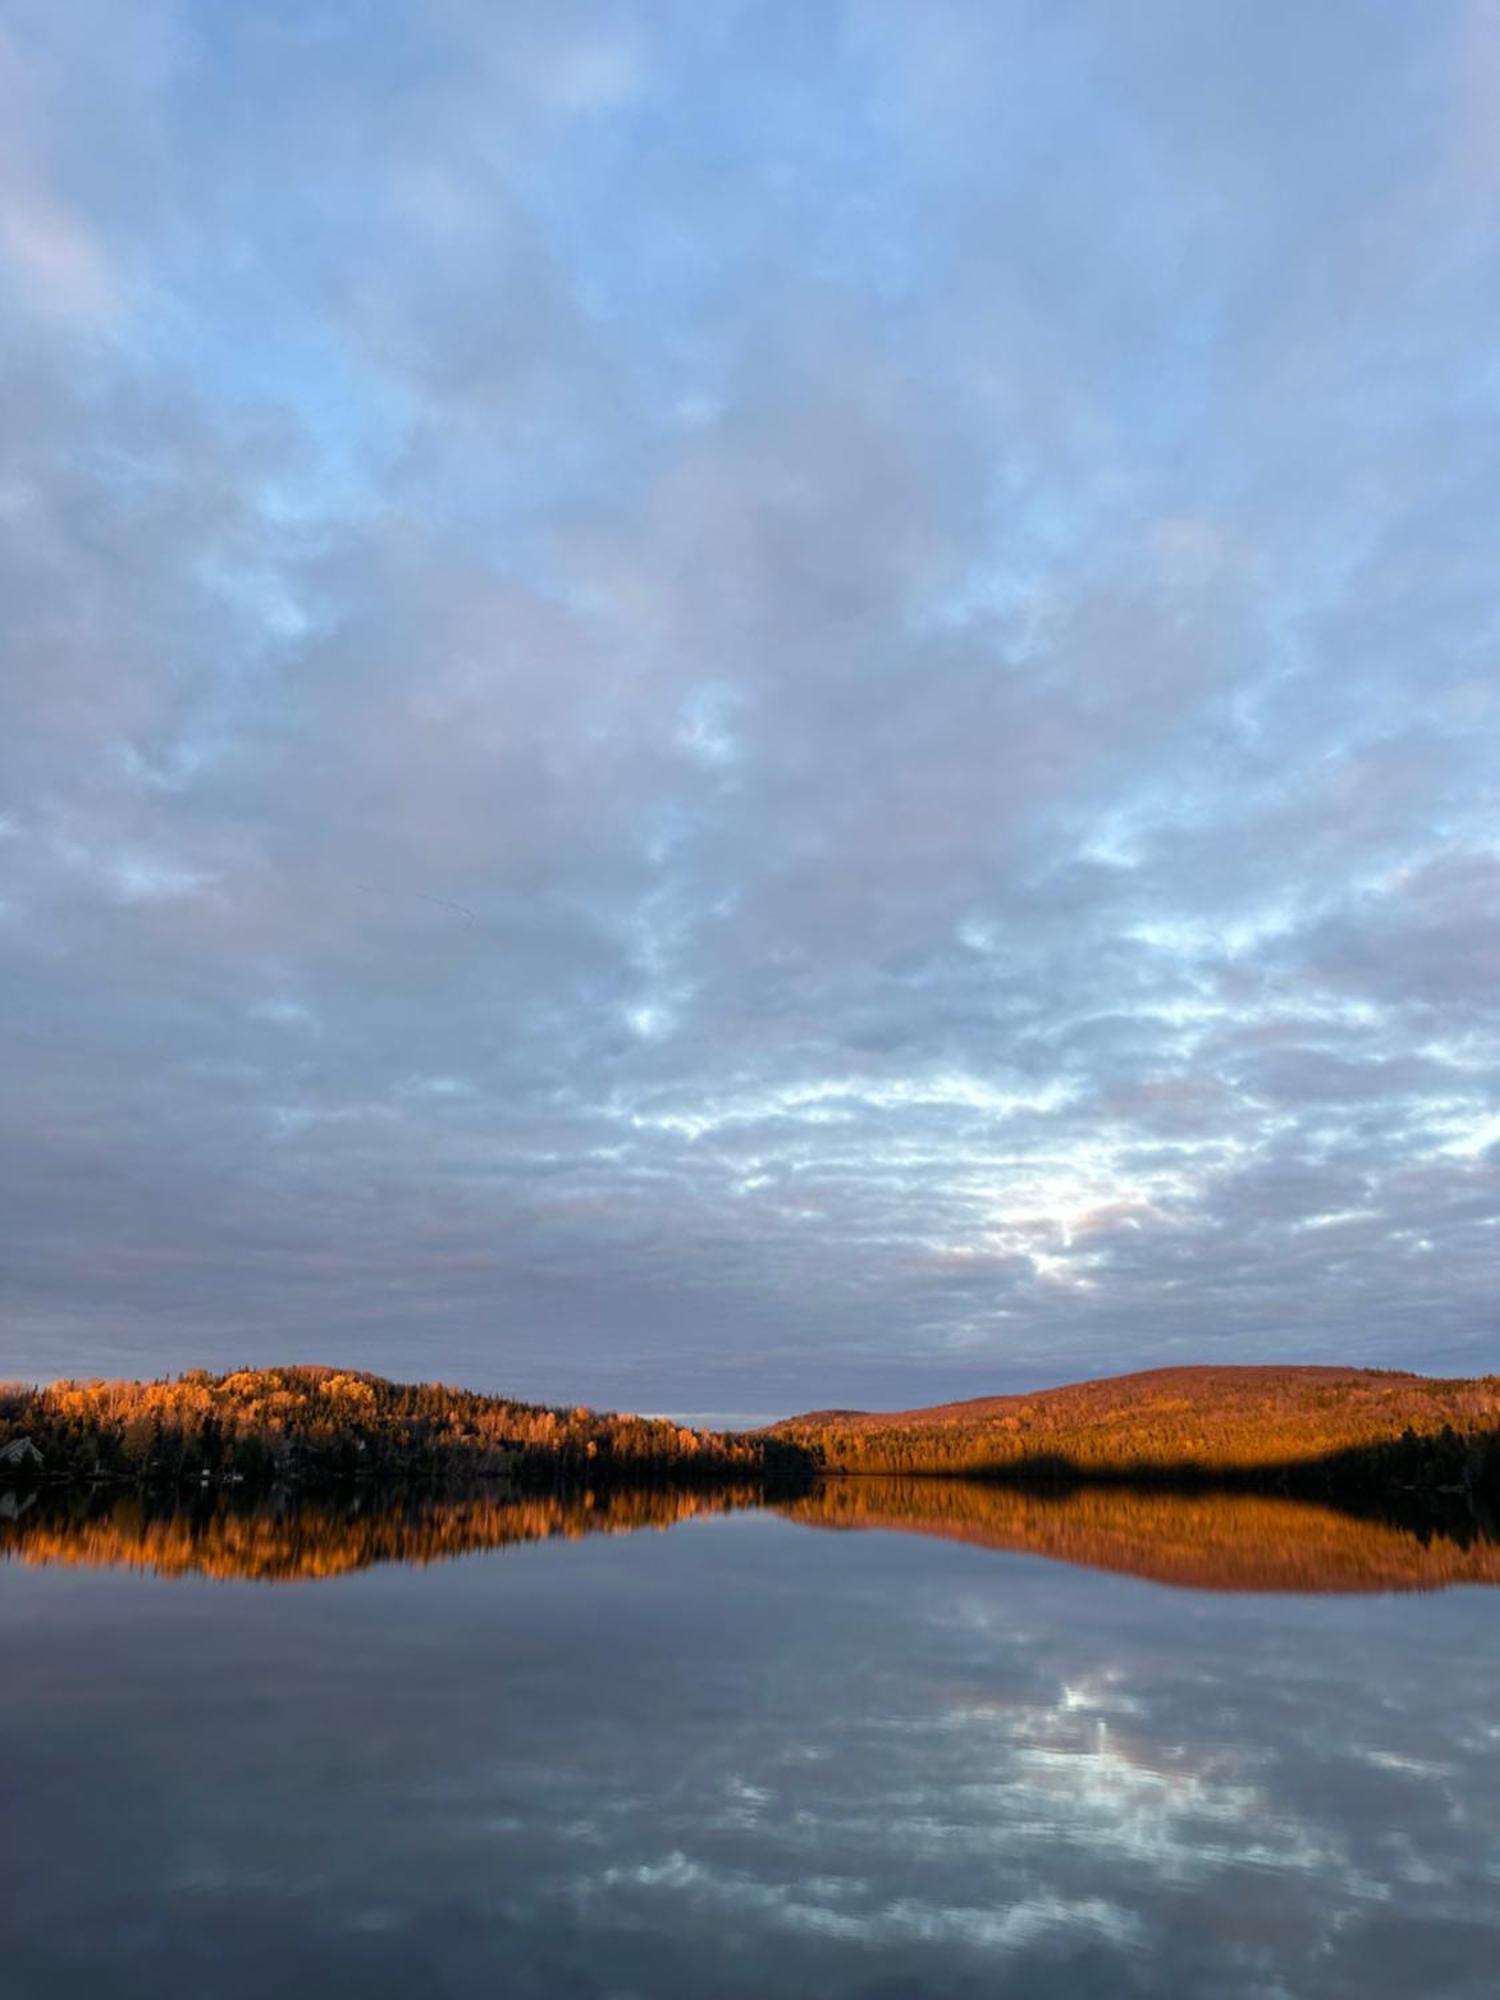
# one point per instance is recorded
(289, 1541)
(1203, 1540)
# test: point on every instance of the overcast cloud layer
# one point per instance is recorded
(721, 707)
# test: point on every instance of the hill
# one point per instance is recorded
(1293, 1425)
(1315, 1430)
(308, 1426)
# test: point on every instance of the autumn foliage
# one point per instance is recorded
(1297, 1429)
(1179, 1424)
(322, 1426)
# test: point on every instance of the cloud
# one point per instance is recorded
(877, 645)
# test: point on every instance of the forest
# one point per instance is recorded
(1308, 1430)
(323, 1427)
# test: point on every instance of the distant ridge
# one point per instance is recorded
(1274, 1423)
(1323, 1430)
(1191, 1379)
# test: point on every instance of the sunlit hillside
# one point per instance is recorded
(266, 1426)
(1204, 1422)
(1304, 1429)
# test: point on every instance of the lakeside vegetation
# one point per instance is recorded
(1310, 1431)
(325, 1427)
(1296, 1429)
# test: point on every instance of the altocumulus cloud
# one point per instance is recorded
(749, 705)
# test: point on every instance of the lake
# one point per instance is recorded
(895, 1739)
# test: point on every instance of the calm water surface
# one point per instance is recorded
(749, 1756)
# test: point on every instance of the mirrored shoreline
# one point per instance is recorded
(1197, 1541)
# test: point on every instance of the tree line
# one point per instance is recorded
(1295, 1430)
(309, 1426)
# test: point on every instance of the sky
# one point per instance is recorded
(726, 707)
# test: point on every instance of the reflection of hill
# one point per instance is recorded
(273, 1543)
(1203, 1541)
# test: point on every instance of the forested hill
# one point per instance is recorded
(1193, 1422)
(1311, 1429)
(320, 1426)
